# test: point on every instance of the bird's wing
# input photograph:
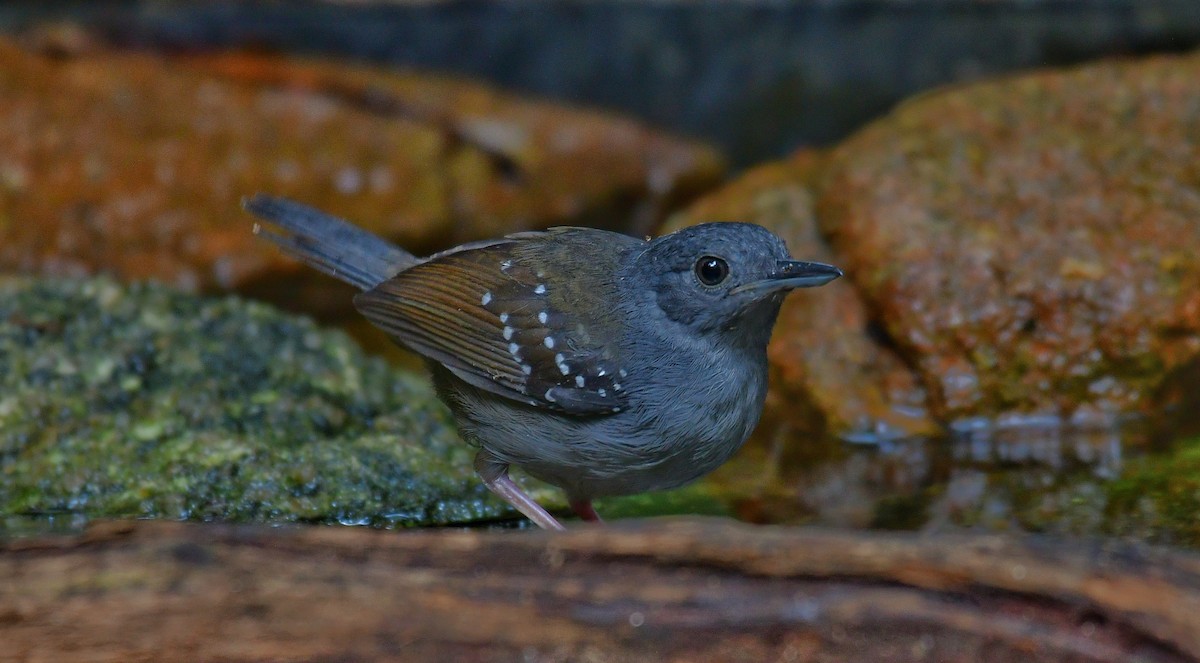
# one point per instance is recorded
(491, 316)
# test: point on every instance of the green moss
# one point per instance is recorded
(1159, 497)
(120, 401)
(702, 498)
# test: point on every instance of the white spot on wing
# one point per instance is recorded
(508, 333)
(543, 317)
(602, 392)
(579, 381)
(549, 342)
(550, 394)
(503, 318)
(487, 298)
(540, 289)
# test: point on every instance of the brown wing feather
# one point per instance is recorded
(486, 314)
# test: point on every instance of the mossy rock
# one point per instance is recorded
(139, 401)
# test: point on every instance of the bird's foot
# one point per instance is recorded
(495, 477)
(585, 511)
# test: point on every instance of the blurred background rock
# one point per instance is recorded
(756, 78)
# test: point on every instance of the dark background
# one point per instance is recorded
(756, 78)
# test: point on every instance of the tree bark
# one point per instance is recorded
(656, 590)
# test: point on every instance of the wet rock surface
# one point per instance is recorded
(133, 163)
(141, 401)
(1030, 244)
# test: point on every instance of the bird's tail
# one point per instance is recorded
(332, 245)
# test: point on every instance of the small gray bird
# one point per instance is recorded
(597, 362)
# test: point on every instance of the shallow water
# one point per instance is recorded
(13, 527)
(1038, 476)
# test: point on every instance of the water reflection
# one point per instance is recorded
(23, 526)
(1040, 440)
(991, 473)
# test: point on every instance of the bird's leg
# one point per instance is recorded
(584, 509)
(495, 476)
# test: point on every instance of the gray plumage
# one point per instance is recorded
(600, 363)
(331, 245)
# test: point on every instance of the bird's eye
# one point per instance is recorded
(711, 270)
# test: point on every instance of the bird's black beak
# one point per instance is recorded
(790, 274)
(799, 274)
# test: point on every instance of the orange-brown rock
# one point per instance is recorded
(827, 373)
(134, 163)
(1032, 244)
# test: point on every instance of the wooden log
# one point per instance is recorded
(656, 590)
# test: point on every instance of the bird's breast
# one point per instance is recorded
(693, 415)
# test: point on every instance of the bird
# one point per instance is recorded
(600, 363)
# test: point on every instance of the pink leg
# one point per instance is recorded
(585, 511)
(495, 476)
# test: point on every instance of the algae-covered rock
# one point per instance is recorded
(142, 401)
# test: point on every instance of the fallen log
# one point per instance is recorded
(655, 590)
